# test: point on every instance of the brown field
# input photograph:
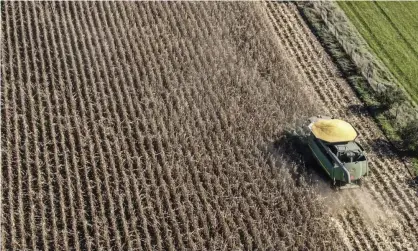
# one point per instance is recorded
(143, 126)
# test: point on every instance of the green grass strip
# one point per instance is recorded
(391, 30)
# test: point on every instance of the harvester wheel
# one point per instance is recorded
(336, 185)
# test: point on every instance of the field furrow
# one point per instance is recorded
(86, 116)
(73, 137)
(62, 155)
(45, 141)
(107, 131)
(7, 156)
(165, 73)
(161, 126)
(191, 97)
(35, 149)
(89, 212)
(189, 50)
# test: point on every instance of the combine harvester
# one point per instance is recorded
(332, 142)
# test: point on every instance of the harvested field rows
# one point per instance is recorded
(146, 126)
(387, 183)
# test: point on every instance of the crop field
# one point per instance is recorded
(390, 28)
(160, 126)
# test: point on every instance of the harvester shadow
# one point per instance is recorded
(364, 109)
(380, 147)
(293, 148)
(413, 183)
(358, 109)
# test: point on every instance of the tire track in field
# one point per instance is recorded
(405, 199)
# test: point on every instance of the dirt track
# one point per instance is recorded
(384, 214)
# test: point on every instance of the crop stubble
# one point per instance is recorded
(143, 126)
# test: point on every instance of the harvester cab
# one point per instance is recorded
(332, 142)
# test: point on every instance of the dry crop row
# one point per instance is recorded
(143, 126)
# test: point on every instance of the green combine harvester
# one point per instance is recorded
(332, 142)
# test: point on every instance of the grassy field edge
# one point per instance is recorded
(358, 76)
(387, 51)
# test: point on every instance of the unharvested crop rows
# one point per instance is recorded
(387, 182)
(146, 126)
